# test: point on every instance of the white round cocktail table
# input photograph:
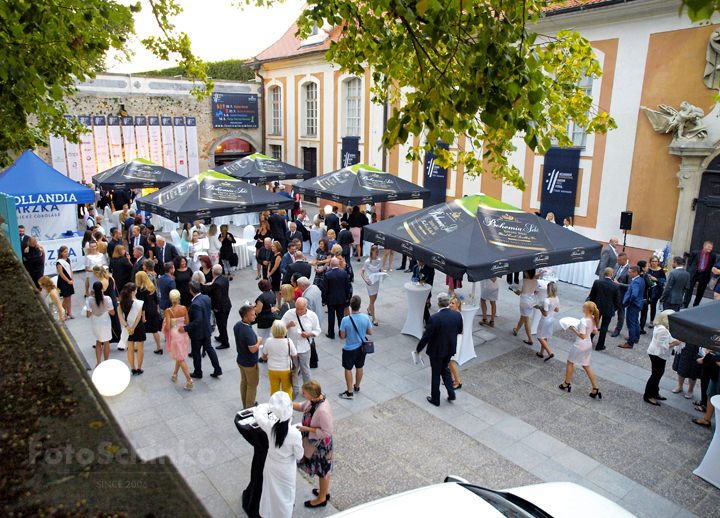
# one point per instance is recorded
(417, 295)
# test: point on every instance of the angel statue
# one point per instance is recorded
(684, 124)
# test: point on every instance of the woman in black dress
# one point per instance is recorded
(120, 267)
(110, 289)
(686, 366)
(226, 250)
(274, 273)
(183, 274)
(206, 268)
(34, 260)
(65, 280)
(149, 295)
(657, 275)
(265, 307)
(356, 222)
(322, 263)
(260, 235)
(131, 318)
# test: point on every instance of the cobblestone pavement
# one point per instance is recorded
(510, 425)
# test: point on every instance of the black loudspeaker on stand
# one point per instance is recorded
(625, 225)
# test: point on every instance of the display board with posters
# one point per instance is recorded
(234, 110)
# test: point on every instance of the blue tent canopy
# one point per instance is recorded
(33, 182)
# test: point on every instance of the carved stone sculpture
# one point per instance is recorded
(684, 124)
(711, 77)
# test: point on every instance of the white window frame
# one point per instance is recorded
(310, 115)
(276, 111)
(272, 151)
(578, 134)
(353, 97)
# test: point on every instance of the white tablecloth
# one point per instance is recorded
(709, 468)
(417, 295)
(241, 249)
(582, 274)
(241, 220)
(75, 255)
(466, 343)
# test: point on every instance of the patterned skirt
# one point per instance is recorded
(321, 462)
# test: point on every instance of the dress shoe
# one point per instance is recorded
(453, 398)
(330, 337)
(409, 270)
(222, 347)
(600, 348)
(625, 346)
(196, 376)
(217, 339)
(643, 332)
(615, 334)
(651, 401)
(316, 493)
(216, 374)
(432, 402)
(158, 351)
(309, 503)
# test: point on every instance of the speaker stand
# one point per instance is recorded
(624, 239)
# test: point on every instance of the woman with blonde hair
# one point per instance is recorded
(659, 352)
(149, 295)
(288, 299)
(332, 238)
(548, 308)
(214, 247)
(582, 348)
(279, 352)
(177, 343)
(274, 274)
(121, 267)
(92, 258)
(52, 298)
(133, 334)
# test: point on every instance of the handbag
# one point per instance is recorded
(293, 367)
(234, 260)
(367, 346)
(313, 348)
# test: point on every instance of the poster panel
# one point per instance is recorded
(168, 143)
(128, 135)
(434, 178)
(57, 153)
(72, 154)
(192, 146)
(156, 151)
(180, 147)
(142, 138)
(102, 152)
(559, 182)
(87, 150)
(115, 140)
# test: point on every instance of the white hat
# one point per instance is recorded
(281, 406)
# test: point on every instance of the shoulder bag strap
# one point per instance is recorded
(356, 329)
(289, 355)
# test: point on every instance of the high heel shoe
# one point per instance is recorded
(595, 393)
(173, 378)
(565, 386)
(190, 385)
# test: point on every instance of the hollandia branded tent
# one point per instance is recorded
(208, 195)
(481, 237)
(698, 326)
(137, 174)
(258, 168)
(360, 183)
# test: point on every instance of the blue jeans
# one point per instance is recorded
(632, 317)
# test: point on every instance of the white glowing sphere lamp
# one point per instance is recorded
(111, 377)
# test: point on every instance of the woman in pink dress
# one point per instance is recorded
(178, 344)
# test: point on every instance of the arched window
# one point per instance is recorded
(311, 110)
(276, 110)
(353, 98)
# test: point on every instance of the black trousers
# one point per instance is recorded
(604, 325)
(440, 367)
(511, 276)
(221, 318)
(644, 314)
(335, 311)
(652, 387)
(197, 347)
(705, 382)
(702, 281)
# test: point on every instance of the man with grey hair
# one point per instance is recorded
(265, 255)
(608, 259)
(221, 305)
(300, 266)
(139, 258)
(313, 295)
(166, 253)
(294, 234)
(303, 326)
(441, 334)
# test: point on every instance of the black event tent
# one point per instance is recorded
(137, 174)
(481, 237)
(208, 195)
(258, 168)
(698, 326)
(360, 183)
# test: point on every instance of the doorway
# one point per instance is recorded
(707, 216)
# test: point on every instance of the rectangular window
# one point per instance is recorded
(577, 133)
(276, 107)
(311, 110)
(276, 151)
(352, 100)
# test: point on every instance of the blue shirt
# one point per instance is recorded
(245, 338)
(353, 339)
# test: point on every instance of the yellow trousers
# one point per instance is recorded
(278, 378)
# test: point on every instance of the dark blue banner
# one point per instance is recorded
(234, 110)
(559, 182)
(434, 178)
(350, 151)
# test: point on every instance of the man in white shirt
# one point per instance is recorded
(200, 228)
(303, 326)
(313, 295)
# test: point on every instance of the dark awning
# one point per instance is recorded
(137, 174)
(258, 168)
(698, 326)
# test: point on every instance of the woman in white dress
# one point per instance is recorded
(372, 265)
(52, 298)
(100, 308)
(489, 290)
(214, 250)
(195, 250)
(92, 258)
(582, 348)
(285, 441)
(527, 304)
(548, 308)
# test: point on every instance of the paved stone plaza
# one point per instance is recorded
(509, 426)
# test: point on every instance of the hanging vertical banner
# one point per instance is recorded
(559, 182)
(115, 139)
(192, 146)
(435, 177)
(142, 138)
(87, 150)
(350, 151)
(102, 152)
(57, 153)
(128, 135)
(156, 151)
(72, 152)
(180, 151)
(168, 144)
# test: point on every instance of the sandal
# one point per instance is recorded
(540, 355)
(565, 386)
(700, 408)
(697, 422)
(483, 322)
(528, 342)
(491, 323)
(173, 378)
(514, 332)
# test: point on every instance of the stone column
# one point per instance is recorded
(693, 155)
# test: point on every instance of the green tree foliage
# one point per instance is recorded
(48, 45)
(231, 69)
(465, 67)
(700, 10)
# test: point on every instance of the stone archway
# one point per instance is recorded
(231, 135)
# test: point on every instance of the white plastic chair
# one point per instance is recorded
(176, 241)
(249, 235)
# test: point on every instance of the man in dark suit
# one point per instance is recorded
(700, 264)
(294, 234)
(622, 279)
(672, 295)
(300, 266)
(119, 199)
(608, 259)
(200, 331)
(633, 302)
(24, 238)
(288, 257)
(606, 295)
(441, 337)
(165, 253)
(336, 295)
(221, 304)
(139, 259)
(115, 240)
(332, 221)
(278, 227)
(166, 284)
(136, 238)
(345, 239)
(425, 274)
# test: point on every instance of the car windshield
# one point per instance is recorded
(508, 505)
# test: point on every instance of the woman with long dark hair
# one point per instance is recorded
(260, 235)
(227, 240)
(356, 222)
(33, 258)
(131, 318)
(65, 280)
(322, 263)
(183, 274)
(110, 289)
(274, 274)
(286, 448)
(100, 308)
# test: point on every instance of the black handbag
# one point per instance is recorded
(234, 260)
(313, 348)
(367, 346)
